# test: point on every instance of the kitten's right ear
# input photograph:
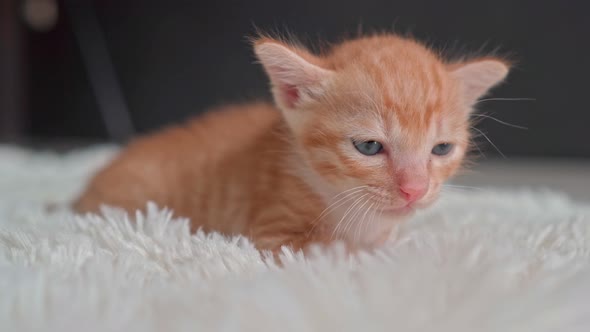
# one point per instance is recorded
(295, 75)
(478, 76)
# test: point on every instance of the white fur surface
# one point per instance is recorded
(478, 261)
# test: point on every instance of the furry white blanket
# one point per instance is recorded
(478, 261)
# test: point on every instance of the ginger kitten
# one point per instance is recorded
(358, 138)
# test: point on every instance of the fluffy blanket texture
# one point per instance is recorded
(478, 261)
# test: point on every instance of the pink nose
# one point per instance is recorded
(413, 192)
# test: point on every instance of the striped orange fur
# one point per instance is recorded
(289, 173)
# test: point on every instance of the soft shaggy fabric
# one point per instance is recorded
(479, 261)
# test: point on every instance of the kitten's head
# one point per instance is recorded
(382, 113)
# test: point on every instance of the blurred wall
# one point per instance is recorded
(177, 58)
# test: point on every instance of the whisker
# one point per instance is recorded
(456, 190)
(380, 213)
(363, 219)
(351, 218)
(346, 214)
(341, 200)
(354, 215)
(462, 190)
(485, 116)
(335, 205)
(490, 141)
(374, 217)
(347, 190)
(461, 187)
(334, 231)
(478, 149)
(505, 99)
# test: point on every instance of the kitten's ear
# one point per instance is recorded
(479, 76)
(295, 74)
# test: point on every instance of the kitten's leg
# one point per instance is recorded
(96, 195)
(93, 198)
(120, 185)
(296, 242)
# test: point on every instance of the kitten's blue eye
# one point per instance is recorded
(442, 149)
(368, 148)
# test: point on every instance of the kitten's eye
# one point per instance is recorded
(368, 148)
(442, 149)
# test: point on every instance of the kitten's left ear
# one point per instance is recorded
(478, 76)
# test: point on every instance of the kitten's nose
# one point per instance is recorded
(412, 192)
(413, 182)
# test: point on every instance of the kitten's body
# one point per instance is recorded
(270, 173)
(241, 180)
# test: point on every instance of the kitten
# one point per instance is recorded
(360, 137)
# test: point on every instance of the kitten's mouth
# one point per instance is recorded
(390, 207)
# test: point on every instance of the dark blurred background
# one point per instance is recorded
(93, 71)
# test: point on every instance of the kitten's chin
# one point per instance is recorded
(425, 203)
(399, 211)
(407, 210)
